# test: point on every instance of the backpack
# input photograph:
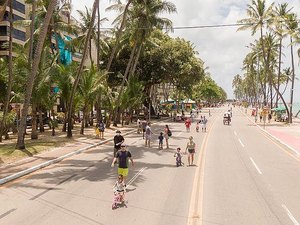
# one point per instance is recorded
(169, 133)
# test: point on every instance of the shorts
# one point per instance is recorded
(191, 151)
(123, 171)
(148, 137)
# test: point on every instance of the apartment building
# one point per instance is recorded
(19, 33)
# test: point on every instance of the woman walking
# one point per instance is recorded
(166, 135)
(190, 147)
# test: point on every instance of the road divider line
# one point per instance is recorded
(195, 216)
(241, 143)
(259, 171)
(290, 215)
(135, 176)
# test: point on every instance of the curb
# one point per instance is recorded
(53, 161)
(275, 138)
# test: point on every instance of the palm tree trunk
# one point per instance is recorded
(137, 58)
(31, 41)
(41, 122)
(293, 83)
(279, 70)
(86, 44)
(90, 53)
(34, 134)
(98, 37)
(118, 36)
(53, 121)
(56, 39)
(117, 108)
(32, 75)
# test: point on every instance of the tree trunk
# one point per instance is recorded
(293, 83)
(31, 39)
(32, 75)
(123, 83)
(279, 70)
(70, 105)
(83, 121)
(34, 134)
(41, 122)
(53, 121)
(98, 37)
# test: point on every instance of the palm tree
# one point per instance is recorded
(90, 83)
(147, 14)
(292, 28)
(280, 13)
(85, 50)
(32, 75)
(260, 17)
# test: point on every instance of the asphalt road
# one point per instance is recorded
(79, 190)
(248, 177)
(242, 177)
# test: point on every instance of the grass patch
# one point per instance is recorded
(8, 153)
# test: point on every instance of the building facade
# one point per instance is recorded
(19, 33)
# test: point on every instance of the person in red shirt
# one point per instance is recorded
(188, 125)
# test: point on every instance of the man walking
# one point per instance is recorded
(123, 156)
(144, 124)
(148, 133)
(118, 141)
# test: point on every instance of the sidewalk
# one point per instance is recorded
(77, 145)
(287, 134)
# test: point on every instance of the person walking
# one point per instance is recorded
(190, 147)
(188, 125)
(101, 127)
(160, 140)
(118, 141)
(123, 156)
(138, 124)
(167, 135)
(144, 124)
(204, 122)
(148, 133)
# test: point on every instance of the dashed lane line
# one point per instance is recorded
(241, 143)
(135, 176)
(290, 215)
(256, 167)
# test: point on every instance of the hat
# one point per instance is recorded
(118, 131)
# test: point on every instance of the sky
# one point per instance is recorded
(222, 49)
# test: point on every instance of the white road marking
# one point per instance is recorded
(290, 215)
(255, 166)
(241, 143)
(177, 135)
(235, 133)
(135, 176)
